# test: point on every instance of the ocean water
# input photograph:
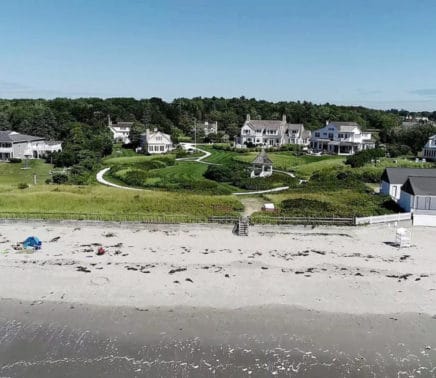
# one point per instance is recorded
(49, 342)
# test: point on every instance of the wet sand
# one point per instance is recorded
(59, 339)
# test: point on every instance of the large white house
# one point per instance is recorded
(342, 138)
(156, 142)
(429, 150)
(393, 179)
(208, 127)
(120, 130)
(14, 145)
(272, 133)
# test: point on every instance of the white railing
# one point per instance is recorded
(384, 218)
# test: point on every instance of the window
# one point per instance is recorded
(341, 136)
(317, 135)
(150, 148)
(162, 148)
(156, 148)
(324, 134)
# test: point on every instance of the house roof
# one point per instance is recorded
(420, 186)
(52, 142)
(14, 137)
(122, 124)
(295, 126)
(344, 126)
(260, 123)
(4, 136)
(262, 158)
(400, 175)
(151, 135)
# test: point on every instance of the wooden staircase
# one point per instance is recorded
(242, 226)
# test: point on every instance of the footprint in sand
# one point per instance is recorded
(99, 281)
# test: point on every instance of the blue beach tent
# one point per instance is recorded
(32, 242)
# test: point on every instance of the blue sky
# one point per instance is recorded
(380, 53)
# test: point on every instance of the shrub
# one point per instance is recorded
(23, 185)
(59, 178)
(220, 173)
(307, 207)
(362, 157)
(135, 177)
(398, 150)
(15, 160)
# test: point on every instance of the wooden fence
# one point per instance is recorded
(178, 219)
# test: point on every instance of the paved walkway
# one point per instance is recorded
(101, 180)
(280, 189)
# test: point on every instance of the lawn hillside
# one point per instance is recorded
(324, 186)
(13, 174)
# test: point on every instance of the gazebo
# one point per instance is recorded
(262, 165)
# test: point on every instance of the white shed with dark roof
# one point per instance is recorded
(418, 193)
(393, 179)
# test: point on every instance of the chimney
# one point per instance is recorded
(109, 122)
(248, 117)
(284, 118)
(327, 122)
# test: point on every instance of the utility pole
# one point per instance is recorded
(195, 132)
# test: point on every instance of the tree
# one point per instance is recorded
(4, 122)
(135, 134)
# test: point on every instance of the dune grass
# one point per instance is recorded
(112, 202)
(342, 202)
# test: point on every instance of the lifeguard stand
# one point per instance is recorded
(402, 237)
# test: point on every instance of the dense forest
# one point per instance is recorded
(53, 118)
(82, 123)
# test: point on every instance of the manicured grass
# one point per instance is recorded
(180, 171)
(12, 174)
(302, 166)
(134, 159)
(110, 201)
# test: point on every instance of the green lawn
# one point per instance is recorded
(12, 174)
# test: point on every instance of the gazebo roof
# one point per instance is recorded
(262, 158)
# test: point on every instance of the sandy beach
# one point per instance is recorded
(196, 300)
(351, 270)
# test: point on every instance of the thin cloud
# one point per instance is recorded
(428, 92)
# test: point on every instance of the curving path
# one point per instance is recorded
(101, 180)
(200, 159)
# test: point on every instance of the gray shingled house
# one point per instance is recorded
(20, 146)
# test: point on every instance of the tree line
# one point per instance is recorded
(56, 118)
